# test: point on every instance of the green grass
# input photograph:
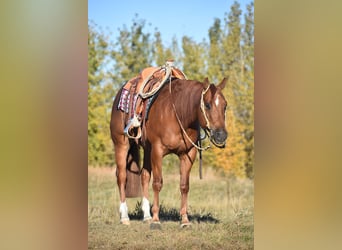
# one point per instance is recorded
(220, 209)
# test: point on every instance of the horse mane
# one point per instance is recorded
(186, 96)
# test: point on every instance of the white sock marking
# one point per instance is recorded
(146, 208)
(123, 211)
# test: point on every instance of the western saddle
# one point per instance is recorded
(139, 89)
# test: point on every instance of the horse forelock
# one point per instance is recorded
(214, 94)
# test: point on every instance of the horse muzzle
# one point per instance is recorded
(219, 137)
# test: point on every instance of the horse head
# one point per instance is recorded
(213, 109)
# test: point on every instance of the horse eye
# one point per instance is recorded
(207, 105)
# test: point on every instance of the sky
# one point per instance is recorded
(192, 18)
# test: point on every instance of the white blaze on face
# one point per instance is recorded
(217, 100)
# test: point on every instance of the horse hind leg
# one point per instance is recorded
(124, 219)
(156, 160)
(145, 205)
(121, 151)
(145, 180)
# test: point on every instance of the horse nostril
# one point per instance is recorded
(220, 135)
(225, 135)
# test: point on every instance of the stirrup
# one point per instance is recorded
(133, 123)
(134, 136)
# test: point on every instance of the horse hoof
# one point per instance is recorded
(125, 222)
(155, 225)
(147, 220)
(185, 225)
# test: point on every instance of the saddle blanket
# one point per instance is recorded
(125, 101)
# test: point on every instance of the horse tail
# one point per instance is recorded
(133, 184)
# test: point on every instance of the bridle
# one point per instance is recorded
(208, 131)
(207, 127)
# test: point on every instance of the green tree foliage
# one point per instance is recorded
(160, 53)
(99, 147)
(232, 67)
(193, 59)
(215, 58)
(236, 46)
(229, 52)
(248, 59)
(132, 51)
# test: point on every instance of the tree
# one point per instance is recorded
(193, 59)
(215, 70)
(99, 148)
(131, 52)
(248, 55)
(231, 53)
(161, 54)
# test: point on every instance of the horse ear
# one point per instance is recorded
(223, 83)
(206, 82)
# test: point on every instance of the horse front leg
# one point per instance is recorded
(186, 161)
(121, 151)
(156, 159)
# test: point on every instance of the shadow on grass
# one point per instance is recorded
(172, 214)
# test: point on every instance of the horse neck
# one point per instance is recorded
(186, 97)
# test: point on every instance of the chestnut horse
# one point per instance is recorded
(175, 117)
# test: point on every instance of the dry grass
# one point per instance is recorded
(220, 209)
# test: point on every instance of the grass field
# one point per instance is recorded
(220, 209)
